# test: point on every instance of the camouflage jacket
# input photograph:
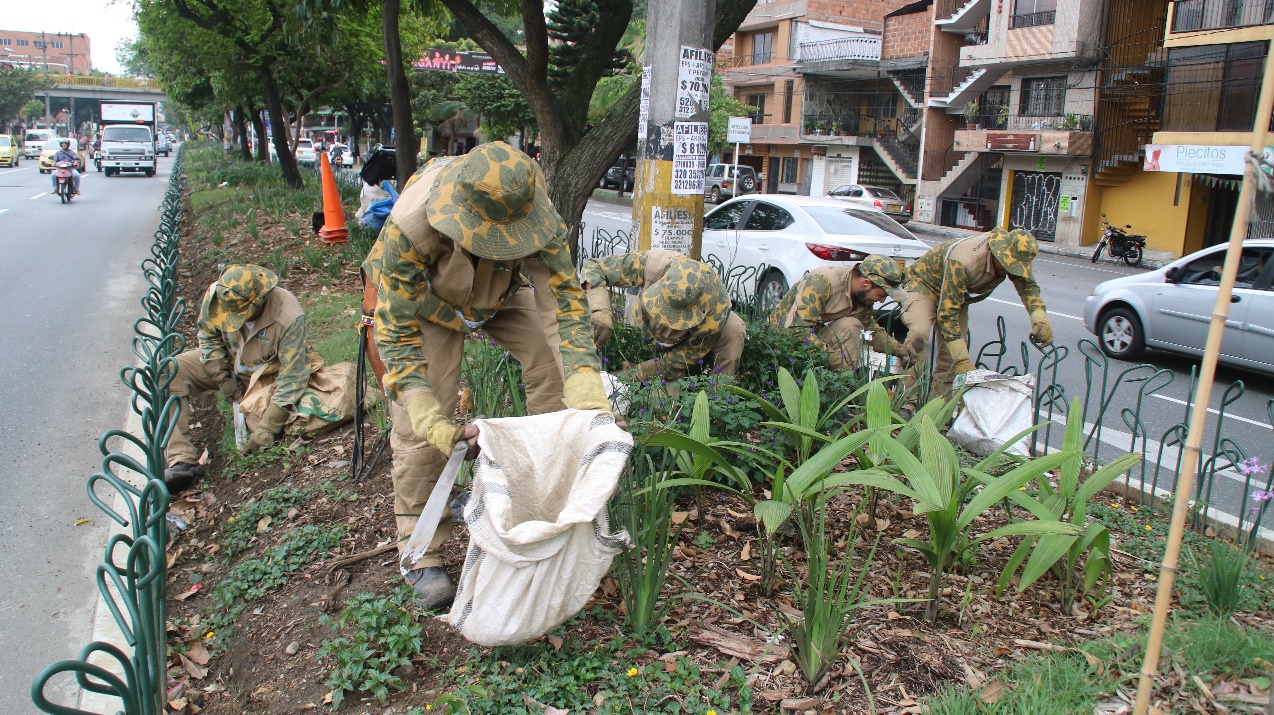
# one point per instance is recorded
(422, 275)
(823, 296)
(959, 272)
(678, 350)
(275, 339)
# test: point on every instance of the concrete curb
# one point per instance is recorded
(606, 196)
(946, 232)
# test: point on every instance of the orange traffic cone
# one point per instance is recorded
(333, 230)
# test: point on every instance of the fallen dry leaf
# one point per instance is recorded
(263, 524)
(204, 458)
(83, 520)
(198, 672)
(800, 703)
(747, 576)
(679, 516)
(746, 553)
(198, 653)
(992, 692)
(554, 641)
(742, 647)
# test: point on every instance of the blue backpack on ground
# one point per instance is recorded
(378, 210)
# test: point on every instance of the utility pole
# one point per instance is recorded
(672, 127)
(44, 47)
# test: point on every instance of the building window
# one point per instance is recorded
(56, 45)
(1191, 15)
(22, 43)
(1030, 13)
(1213, 88)
(1043, 97)
(758, 101)
(788, 90)
(4, 41)
(788, 173)
(762, 43)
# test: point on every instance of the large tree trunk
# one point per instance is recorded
(399, 93)
(258, 125)
(241, 128)
(279, 127)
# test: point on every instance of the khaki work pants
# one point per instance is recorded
(729, 348)
(919, 314)
(193, 378)
(518, 328)
(844, 340)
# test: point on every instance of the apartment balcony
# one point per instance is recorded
(1067, 135)
(845, 57)
(775, 133)
(1195, 15)
(767, 14)
(848, 129)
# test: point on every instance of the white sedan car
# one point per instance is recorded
(767, 242)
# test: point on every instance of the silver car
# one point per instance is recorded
(1171, 308)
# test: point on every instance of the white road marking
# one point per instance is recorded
(1050, 313)
(1228, 416)
(42, 193)
(1091, 268)
(20, 168)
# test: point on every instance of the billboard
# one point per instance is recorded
(454, 61)
(1195, 159)
(128, 112)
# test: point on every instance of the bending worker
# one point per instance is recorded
(834, 304)
(943, 282)
(247, 325)
(454, 256)
(683, 307)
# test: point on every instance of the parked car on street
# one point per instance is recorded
(10, 152)
(784, 237)
(1171, 308)
(610, 180)
(719, 180)
(305, 152)
(876, 197)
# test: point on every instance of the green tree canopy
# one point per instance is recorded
(18, 86)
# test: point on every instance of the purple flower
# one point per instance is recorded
(605, 359)
(1251, 466)
(1254, 509)
(729, 400)
(1261, 496)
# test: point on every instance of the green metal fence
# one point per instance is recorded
(132, 575)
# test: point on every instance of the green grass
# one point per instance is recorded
(200, 200)
(1220, 648)
(1058, 684)
(331, 324)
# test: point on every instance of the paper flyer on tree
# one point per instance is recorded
(693, 80)
(689, 157)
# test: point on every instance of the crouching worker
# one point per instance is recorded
(473, 242)
(684, 308)
(247, 326)
(834, 304)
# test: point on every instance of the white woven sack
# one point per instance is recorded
(996, 408)
(539, 541)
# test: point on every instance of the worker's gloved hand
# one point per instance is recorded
(268, 429)
(599, 310)
(906, 354)
(584, 390)
(959, 357)
(469, 433)
(227, 385)
(428, 422)
(1041, 329)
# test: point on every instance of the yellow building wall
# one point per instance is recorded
(1146, 202)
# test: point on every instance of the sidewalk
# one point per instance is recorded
(1151, 260)
(609, 196)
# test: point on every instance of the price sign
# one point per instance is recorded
(643, 111)
(689, 157)
(671, 230)
(694, 78)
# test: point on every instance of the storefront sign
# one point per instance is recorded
(1001, 141)
(1194, 158)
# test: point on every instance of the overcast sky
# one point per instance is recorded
(106, 22)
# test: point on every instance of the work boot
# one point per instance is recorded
(906, 413)
(181, 475)
(434, 588)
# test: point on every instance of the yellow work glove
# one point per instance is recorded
(268, 429)
(959, 356)
(583, 390)
(599, 308)
(1041, 329)
(429, 424)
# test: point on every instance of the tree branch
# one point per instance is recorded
(596, 52)
(730, 14)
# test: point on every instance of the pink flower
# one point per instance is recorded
(1251, 466)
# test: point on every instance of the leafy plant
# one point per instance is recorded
(494, 379)
(385, 637)
(1223, 579)
(242, 528)
(644, 508)
(827, 600)
(971, 110)
(940, 490)
(1062, 553)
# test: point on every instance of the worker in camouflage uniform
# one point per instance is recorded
(948, 278)
(472, 242)
(834, 305)
(247, 326)
(684, 308)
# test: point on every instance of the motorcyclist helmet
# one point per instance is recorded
(65, 143)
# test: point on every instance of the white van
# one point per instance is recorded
(33, 142)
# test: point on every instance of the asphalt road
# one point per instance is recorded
(68, 298)
(1066, 283)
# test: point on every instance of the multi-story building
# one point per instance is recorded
(62, 52)
(1178, 105)
(1011, 91)
(837, 91)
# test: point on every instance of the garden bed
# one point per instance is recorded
(268, 614)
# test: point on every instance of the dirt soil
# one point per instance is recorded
(270, 665)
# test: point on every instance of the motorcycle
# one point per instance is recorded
(1122, 244)
(66, 181)
(97, 158)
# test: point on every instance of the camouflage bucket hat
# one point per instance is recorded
(492, 202)
(688, 293)
(237, 294)
(884, 272)
(1015, 250)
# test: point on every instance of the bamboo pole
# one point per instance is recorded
(1199, 415)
